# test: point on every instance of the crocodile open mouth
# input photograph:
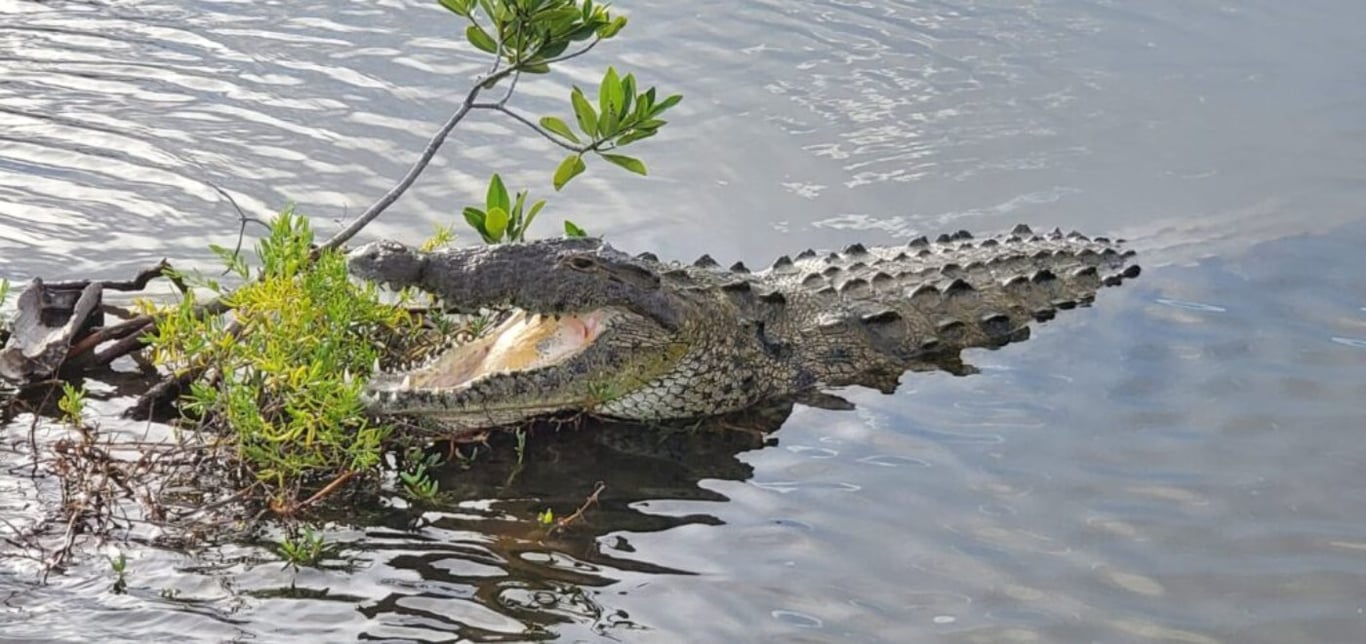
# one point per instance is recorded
(522, 342)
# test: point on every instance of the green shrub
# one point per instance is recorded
(284, 375)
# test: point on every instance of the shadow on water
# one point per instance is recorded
(517, 567)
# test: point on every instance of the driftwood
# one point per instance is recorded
(48, 320)
(59, 325)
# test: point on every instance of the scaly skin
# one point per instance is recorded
(668, 341)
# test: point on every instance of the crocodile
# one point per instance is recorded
(594, 329)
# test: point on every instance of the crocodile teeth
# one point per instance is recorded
(407, 382)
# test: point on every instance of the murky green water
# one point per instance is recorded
(1180, 463)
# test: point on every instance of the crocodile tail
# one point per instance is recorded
(984, 293)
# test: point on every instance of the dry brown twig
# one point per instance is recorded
(592, 500)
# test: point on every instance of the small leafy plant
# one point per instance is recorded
(529, 36)
(119, 566)
(304, 547)
(72, 404)
(417, 481)
(502, 218)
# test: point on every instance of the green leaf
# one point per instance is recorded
(634, 135)
(496, 223)
(583, 111)
(571, 230)
(630, 163)
(515, 225)
(628, 93)
(497, 195)
(532, 67)
(488, 9)
(460, 7)
(612, 28)
(475, 217)
(555, 45)
(479, 38)
(583, 33)
(666, 104)
(559, 127)
(608, 125)
(609, 94)
(531, 214)
(571, 167)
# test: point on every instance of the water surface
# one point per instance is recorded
(1179, 463)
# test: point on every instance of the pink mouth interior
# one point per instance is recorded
(521, 343)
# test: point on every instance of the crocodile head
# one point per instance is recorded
(587, 321)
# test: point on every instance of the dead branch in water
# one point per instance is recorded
(589, 502)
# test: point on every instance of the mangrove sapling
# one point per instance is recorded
(119, 566)
(304, 546)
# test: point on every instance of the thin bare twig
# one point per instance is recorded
(327, 489)
(512, 87)
(434, 144)
(205, 509)
(429, 152)
(578, 514)
(499, 107)
(574, 54)
(60, 555)
(243, 219)
(138, 282)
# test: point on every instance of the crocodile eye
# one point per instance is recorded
(581, 263)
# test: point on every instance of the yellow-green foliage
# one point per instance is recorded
(285, 375)
(72, 404)
(4, 293)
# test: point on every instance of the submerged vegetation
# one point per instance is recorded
(261, 375)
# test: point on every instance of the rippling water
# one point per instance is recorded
(1179, 463)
